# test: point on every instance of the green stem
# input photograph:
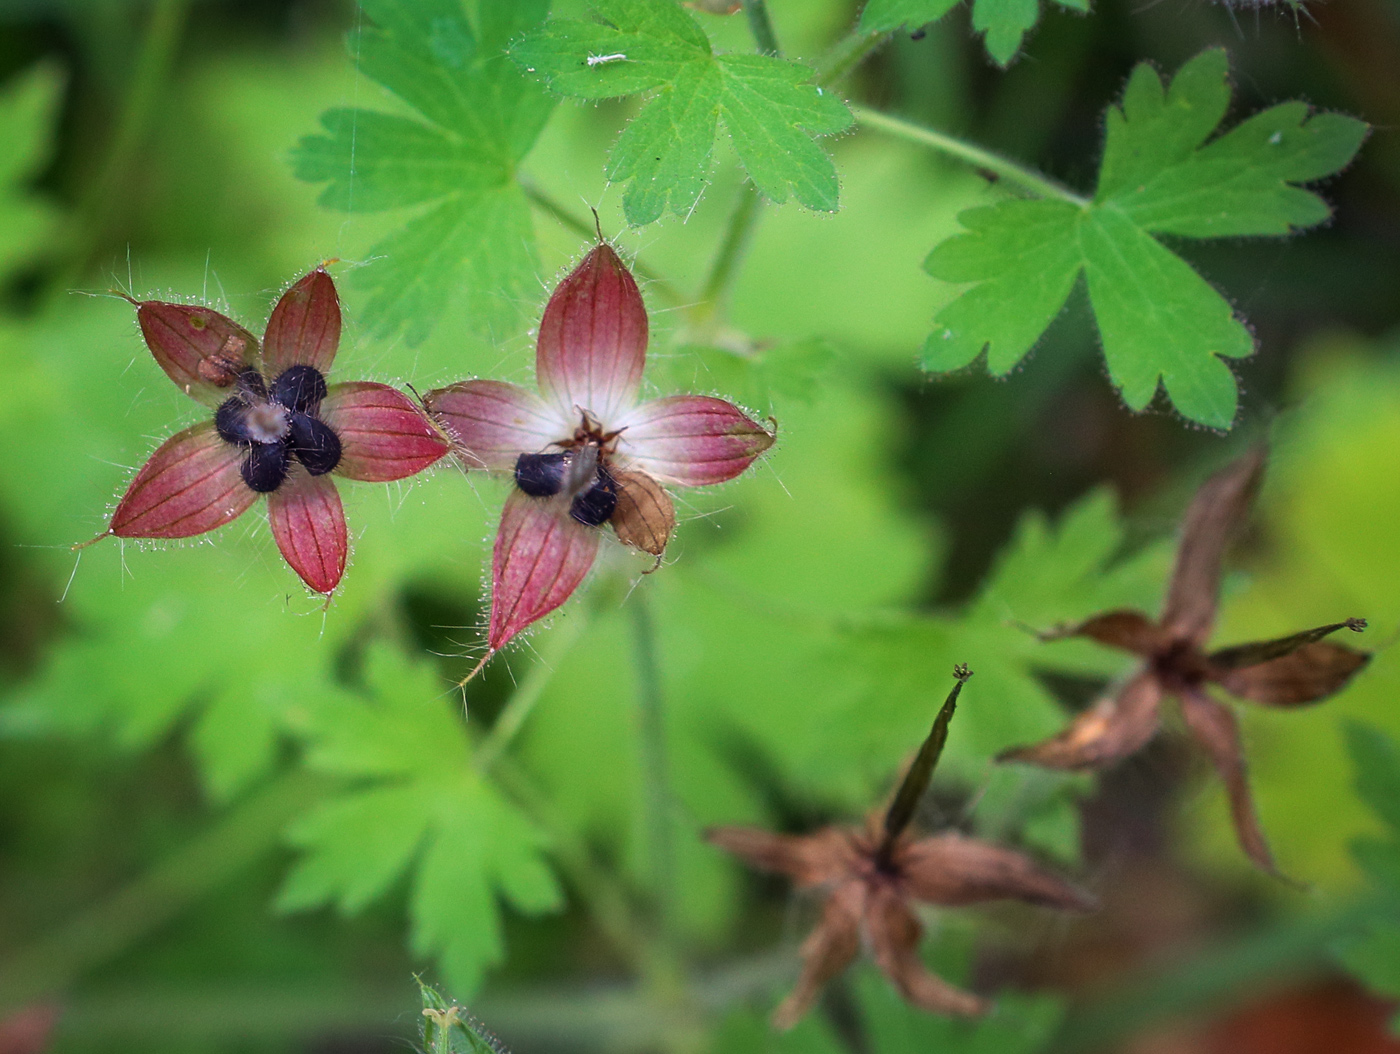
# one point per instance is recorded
(846, 54)
(761, 26)
(737, 232)
(1026, 178)
(158, 48)
(522, 701)
(607, 904)
(585, 228)
(656, 782)
(249, 832)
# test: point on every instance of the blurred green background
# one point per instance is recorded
(176, 730)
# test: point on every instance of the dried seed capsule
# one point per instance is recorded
(644, 517)
(314, 443)
(299, 388)
(231, 421)
(541, 475)
(266, 467)
(596, 504)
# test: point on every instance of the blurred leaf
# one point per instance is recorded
(769, 106)
(1377, 760)
(28, 106)
(1159, 321)
(416, 804)
(473, 233)
(1005, 22)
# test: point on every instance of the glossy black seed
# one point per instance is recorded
(541, 475)
(314, 443)
(265, 467)
(596, 504)
(299, 388)
(231, 421)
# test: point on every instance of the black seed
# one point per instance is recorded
(230, 421)
(541, 475)
(299, 388)
(251, 381)
(596, 504)
(314, 443)
(265, 467)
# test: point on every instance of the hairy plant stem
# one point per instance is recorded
(522, 701)
(761, 26)
(1025, 178)
(846, 54)
(725, 266)
(159, 45)
(579, 225)
(251, 829)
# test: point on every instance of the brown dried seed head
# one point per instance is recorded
(644, 517)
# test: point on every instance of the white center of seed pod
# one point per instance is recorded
(267, 422)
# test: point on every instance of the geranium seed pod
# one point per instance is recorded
(231, 421)
(300, 388)
(595, 505)
(266, 467)
(314, 443)
(541, 475)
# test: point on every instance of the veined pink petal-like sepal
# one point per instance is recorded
(200, 350)
(190, 485)
(692, 440)
(493, 422)
(593, 339)
(384, 435)
(540, 558)
(304, 329)
(309, 525)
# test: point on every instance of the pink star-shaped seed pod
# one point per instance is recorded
(278, 429)
(586, 450)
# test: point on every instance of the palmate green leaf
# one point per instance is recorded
(28, 105)
(769, 106)
(1161, 324)
(472, 233)
(413, 802)
(1005, 23)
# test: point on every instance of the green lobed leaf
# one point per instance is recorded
(1160, 322)
(1005, 23)
(414, 804)
(769, 106)
(1376, 758)
(473, 234)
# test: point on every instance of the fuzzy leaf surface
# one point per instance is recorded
(413, 803)
(769, 106)
(453, 162)
(1161, 324)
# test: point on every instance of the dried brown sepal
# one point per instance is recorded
(1239, 656)
(1216, 512)
(1308, 675)
(953, 870)
(827, 951)
(894, 932)
(1214, 727)
(645, 515)
(809, 860)
(1110, 730)
(1124, 629)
